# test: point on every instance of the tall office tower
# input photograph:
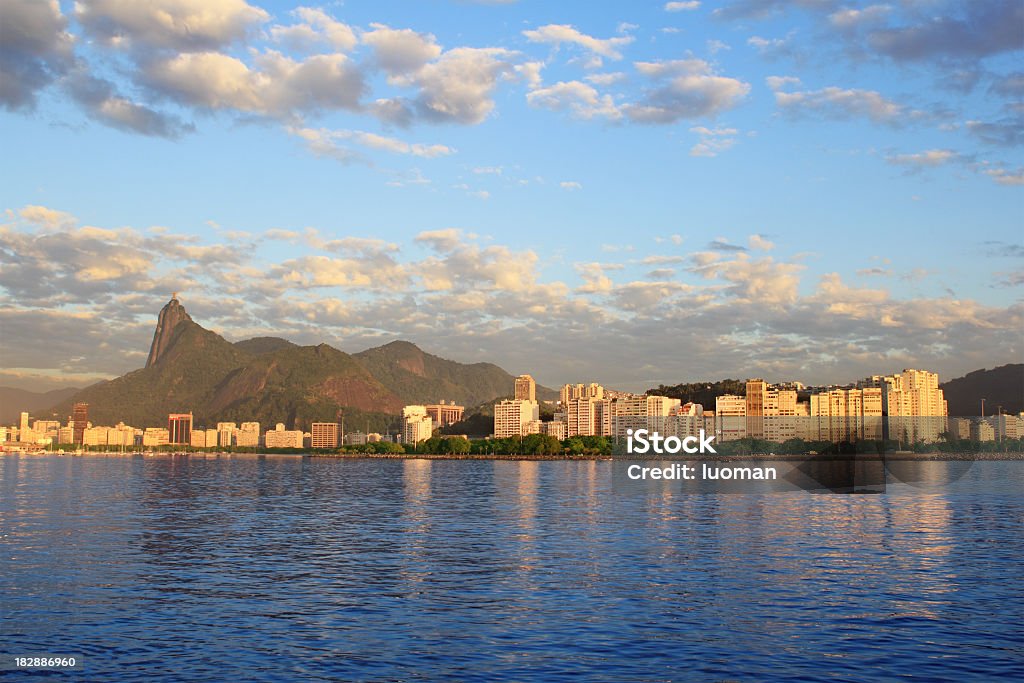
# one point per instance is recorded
(80, 419)
(179, 428)
(526, 388)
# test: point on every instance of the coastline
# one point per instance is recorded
(779, 457)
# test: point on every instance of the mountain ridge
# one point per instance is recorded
(270, 379)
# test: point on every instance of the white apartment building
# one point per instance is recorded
(512, 417)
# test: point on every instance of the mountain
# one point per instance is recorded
(270, 380)
(420, 377)
(170, 315)
(1001, 386)
(13, 401)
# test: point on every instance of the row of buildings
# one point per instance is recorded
(908, 407)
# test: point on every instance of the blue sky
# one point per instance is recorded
(624, 192)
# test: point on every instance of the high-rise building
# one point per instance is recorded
(913, 405)
(417, 425)
(852, 414)
(730, 417)
(248, 434)
(588, 416)
(444, 414)
(513, 417)
(525, 388)
(571, 391)
(324, 435)
(80, 418)
(226, 433)
(179, 427)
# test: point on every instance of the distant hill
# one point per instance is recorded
(272, 380)
(13, 401)
(419, 377)
(703, 393)
(1001, 386)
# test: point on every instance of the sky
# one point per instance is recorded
(633, 193)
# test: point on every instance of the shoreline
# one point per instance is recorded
(778, 457)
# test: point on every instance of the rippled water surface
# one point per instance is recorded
(281, 568)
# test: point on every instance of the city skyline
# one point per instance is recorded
(651, 193)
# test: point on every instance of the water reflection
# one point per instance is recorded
(346, 569)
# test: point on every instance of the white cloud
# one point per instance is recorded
(279, 86)
(316, 27)
(579, 98)
(325, 142)
(556, 34)
(176, 24)
(1004, 176)
(401, 51)
(570, 185)
(458, 87)
(687, 88)
(713, 141)
(845, 103)
(931, 157)
(682, 5)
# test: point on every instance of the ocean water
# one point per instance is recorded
(285, 568)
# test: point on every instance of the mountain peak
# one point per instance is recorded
(170, 315)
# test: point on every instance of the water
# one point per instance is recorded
(282, 568)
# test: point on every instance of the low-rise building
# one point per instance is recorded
(279, 437)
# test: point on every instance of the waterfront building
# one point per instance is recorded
(770, 410)
(730, 417)
(248, 434)
(80, 420)
(279, 437)
(913, 404)
(525, 388)
(324, 435)
(417, 425)
(981, 430)
(1006, 426)
(849, 414)
(155, 436)
(512, 417)
(226, 433)
(443, 414)
(179, 426)
(959, 429)
(358, 438)
(557, 429)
